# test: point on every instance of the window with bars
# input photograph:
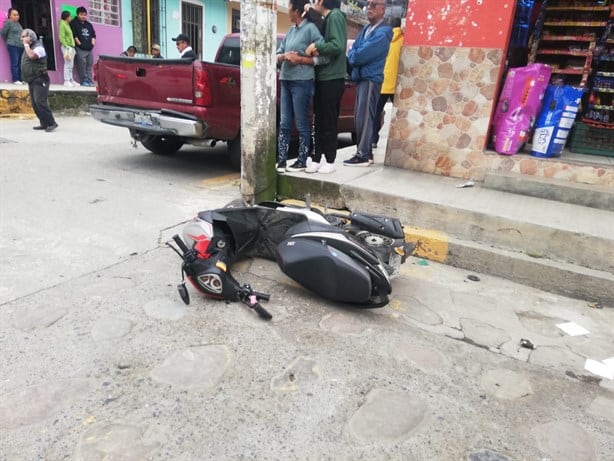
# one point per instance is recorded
(104, 12)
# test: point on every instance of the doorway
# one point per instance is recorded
(146, 32)
(36, 15)
(192, 25)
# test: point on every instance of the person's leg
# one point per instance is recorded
(33, 90)
(285, 122)
(318, 106)
(369, 96)
(330, 116)
(15, 53)
(360, 115)
(377, 122)
(80, 62)
(89, 64)
(301, 101)
(67, 69)
(39, 93)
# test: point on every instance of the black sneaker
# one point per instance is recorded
(296, 166)
(50, 128)
(281, 167)
(357, 161)
(39, 127)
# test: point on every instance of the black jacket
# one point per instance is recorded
(85, 32)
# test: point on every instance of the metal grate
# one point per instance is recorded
(192, 25)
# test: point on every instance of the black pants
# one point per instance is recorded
(377, 122)
(326, 104)
(39, 92)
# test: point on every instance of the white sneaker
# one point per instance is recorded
(326, 168)
(17, 82)
(312, 167)
(67, 83)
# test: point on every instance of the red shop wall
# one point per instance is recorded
(459, 23)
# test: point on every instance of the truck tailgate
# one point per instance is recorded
(137, 82)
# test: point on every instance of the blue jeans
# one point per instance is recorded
(294, 107)
(367, 96)
(15, 53)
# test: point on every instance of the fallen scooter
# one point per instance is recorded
(347, 258)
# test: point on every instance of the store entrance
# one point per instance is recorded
(574, 41)
(36, 15)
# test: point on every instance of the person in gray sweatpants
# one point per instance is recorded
(85, 40)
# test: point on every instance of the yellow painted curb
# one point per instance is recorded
(430, 244)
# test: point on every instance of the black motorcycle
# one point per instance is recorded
(348, 258)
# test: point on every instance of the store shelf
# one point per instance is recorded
(602, 90)
(604, 74)
(576, 23)
(578, 8)
(600, 107)
(569, 71)
(567, 38)
(565, 52)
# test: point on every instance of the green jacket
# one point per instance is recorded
(334, 47)
(65, 35)
(11, 33)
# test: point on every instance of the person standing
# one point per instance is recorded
(391, 70)
(34, 72)
(329, 84)
(67, 42)
(367, 58)
(11, 33)
(184, 48)
(85, 40)
(155, 51)
(296, 77)
(131, 51)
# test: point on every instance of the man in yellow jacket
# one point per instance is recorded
(391, 69)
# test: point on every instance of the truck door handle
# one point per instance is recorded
(140, 72)
(228, 81)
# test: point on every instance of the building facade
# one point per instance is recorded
(43, 17)
(450, 72)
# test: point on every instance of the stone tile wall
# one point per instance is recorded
(444, 100)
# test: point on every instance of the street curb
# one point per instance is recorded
(521, 266)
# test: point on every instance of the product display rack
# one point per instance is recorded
(566, 35)
(599, 107)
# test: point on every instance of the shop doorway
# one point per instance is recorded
(146, 32)
(36, 15)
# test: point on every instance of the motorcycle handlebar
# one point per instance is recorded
(182, 246)
(262, 312)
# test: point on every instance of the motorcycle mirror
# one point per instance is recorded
(183, 293)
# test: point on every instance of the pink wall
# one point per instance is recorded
(459, 23)
(108, 40)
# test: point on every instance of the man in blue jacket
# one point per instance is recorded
(367, 58)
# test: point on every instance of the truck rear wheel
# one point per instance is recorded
(234, 152)
(162, 145)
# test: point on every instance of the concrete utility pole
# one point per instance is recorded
(258, 100)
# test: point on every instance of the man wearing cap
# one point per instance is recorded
(184, 48)
(155, 51)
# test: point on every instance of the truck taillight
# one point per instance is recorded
(202, 90)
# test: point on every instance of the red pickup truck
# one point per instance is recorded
(166, 103)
